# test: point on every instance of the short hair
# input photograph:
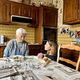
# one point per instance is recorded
(20, 31)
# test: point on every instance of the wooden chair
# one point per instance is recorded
(70, 48)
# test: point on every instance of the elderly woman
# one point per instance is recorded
(17, 46)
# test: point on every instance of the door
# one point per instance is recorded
(49, 34)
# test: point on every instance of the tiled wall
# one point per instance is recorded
(65, 38)
(9, 32)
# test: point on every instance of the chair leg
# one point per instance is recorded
(77, 65)
(58, 53)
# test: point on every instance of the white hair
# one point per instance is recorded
(20, 31)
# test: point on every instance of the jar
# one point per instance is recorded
(2, 39)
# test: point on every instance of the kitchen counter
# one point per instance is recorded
(2, 46)
(34, 49)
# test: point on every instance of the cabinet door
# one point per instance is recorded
(70, 11)
(1, 51)
(15, 8)
(50, 17)
(79, 10)
(26, 10)
(35, 15)
(4, 11)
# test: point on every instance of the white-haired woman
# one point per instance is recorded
(17, 46)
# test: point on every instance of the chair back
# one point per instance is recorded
(69, 54)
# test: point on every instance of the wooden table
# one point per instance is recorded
(33, 68)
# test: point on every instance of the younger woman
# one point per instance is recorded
(50, 47)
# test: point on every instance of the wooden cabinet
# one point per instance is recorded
(48, 16)
(19, 9)
(71, 11)
(26, 10)
(35, 15)
(33, 49)
(4, 11)
(15, 8)
(47, 19)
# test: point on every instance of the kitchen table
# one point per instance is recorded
(32, 68)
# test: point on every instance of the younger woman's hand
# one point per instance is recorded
(40, 55)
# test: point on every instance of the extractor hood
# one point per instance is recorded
(21, 19)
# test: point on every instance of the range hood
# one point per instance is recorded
(21, 19)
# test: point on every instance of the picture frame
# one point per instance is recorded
(77, 34)
(72, 34)
(65, 31)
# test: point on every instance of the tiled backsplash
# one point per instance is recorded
(9, 32)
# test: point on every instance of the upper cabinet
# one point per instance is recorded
(43, 15)
(26, 10)
(4, 11)
(47, 19)
(35, 15)
(19, 9)
(71, 11)
(15, 8)
(49, 16)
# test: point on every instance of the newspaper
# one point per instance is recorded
(7, 72)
